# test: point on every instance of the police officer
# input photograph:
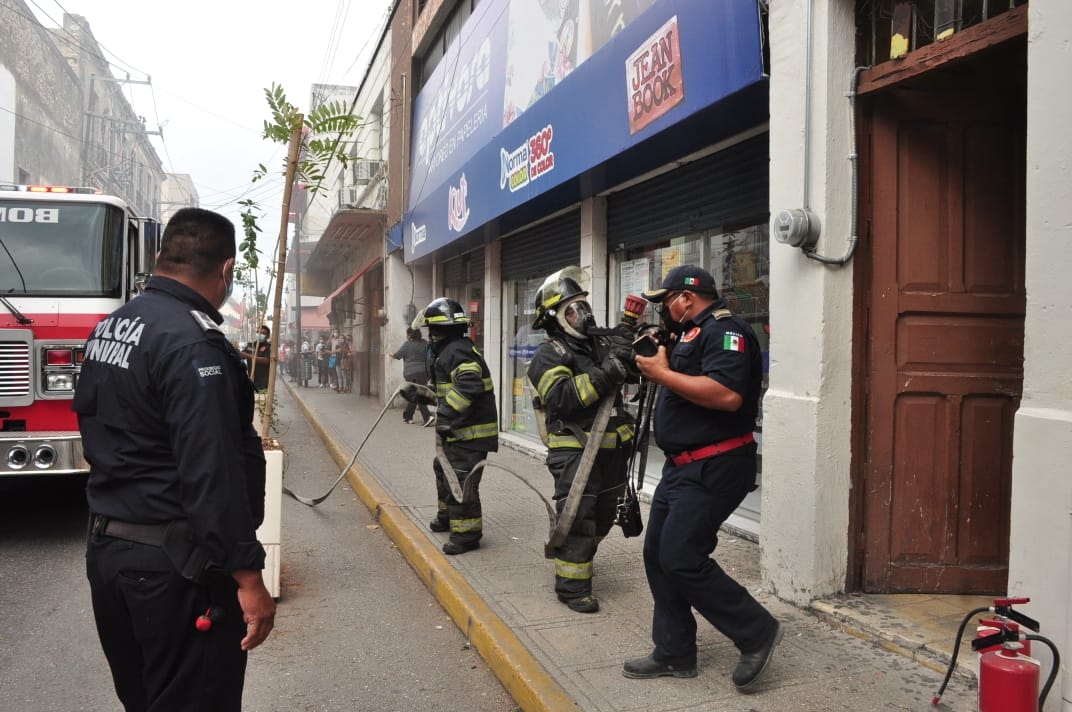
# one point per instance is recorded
(705, 413)
(572, 373)
(466, 420)
(176, 483)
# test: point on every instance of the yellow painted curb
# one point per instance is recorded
(520, 673)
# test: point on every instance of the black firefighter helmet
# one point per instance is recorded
(443, 317)
(555, 295)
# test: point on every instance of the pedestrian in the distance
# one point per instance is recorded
(709, 368)
(176, 483)
(466, 421)
(414, 356)
(258, 358)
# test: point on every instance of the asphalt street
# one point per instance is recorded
(355, 630)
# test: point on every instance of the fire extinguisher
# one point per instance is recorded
(1008, 678)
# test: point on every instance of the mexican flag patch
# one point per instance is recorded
(732, 342)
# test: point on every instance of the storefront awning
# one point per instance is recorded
(655, 83)
(325, 306)
(348, 230)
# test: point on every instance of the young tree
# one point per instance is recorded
(315, 141)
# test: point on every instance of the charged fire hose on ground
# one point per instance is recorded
(459, 491)
(313, 501)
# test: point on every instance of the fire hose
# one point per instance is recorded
(458, 490)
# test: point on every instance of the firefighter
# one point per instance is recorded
(466, 420)
(572, 373)
(176, 483)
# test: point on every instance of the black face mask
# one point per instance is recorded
(672, 325)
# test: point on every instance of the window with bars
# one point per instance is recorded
(890, 29)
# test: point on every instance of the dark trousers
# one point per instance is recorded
(595, 514)
(411, 406)
(690, 503)
(145, 613)
(465, 518)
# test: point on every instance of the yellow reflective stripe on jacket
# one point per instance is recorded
(572, 570)
(585, 390)
(610, 440)
(550, 377)
(472, 432)
(457, 401)
(462, 526)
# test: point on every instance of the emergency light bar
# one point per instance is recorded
(83, 190)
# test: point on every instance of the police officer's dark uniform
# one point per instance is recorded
(571, 380)
(467, 420)
(710, 467)
(159, 385)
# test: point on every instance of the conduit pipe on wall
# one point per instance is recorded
(853, 237)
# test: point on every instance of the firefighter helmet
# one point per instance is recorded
(442, 312)
(554, 296)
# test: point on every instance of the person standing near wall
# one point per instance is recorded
(414, 356)
(709, 367)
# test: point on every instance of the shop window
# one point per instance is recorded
(520, 417)
(739, 260)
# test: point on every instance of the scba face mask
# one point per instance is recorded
(576, 319)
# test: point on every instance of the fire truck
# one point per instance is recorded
(68, 257)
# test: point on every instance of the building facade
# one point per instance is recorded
(67, 120)
(918, 409)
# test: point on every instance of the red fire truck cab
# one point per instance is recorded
(68, 257)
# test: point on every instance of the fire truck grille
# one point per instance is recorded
(14, 369)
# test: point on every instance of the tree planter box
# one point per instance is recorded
(270, 532)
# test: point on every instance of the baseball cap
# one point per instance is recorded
(682, 278)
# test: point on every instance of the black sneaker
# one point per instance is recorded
(439, 526)
(648, 667)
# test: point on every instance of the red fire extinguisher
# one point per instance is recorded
(1008, 678)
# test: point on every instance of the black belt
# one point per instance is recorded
(151, 534)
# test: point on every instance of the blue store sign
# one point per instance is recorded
(525, 101)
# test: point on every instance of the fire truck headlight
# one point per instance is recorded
(59, 382)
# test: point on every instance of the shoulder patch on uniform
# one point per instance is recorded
(722, 314)
(205, 321)
(732, 341)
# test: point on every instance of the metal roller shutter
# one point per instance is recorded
(464, 269)
(720, 189)
(542, 249)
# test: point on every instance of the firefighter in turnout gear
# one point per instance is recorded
(466, 420)
(572, 374)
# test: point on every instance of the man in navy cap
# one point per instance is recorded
(710, 371)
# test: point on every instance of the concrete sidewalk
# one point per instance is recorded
(550, 658)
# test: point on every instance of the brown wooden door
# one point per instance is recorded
(945, 343)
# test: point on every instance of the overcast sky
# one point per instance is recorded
(209, 62)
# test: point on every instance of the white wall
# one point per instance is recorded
(7, 126)
(1040, 560)
(806, 410)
